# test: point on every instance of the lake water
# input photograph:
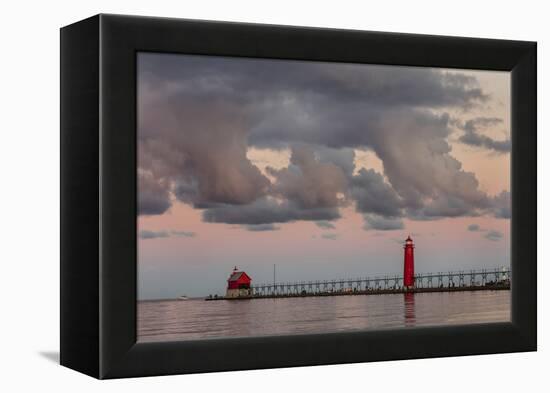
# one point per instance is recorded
(169, 320)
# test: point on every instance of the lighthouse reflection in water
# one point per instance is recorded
(408, 304)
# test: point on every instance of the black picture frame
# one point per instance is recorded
(98, 195)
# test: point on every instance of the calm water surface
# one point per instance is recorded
(167, 320)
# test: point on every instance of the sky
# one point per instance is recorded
(320, 168)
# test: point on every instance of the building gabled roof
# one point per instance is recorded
(238, 276)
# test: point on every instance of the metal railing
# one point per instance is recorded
(461, 278)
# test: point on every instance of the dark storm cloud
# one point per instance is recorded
(198, 143)
(262, 228)
(325, 224)
(307, 182)
(493, 235)
(449, 206)
(198, 115)
(245, 79)
(473, 137)
(373, 195)
(419, 166)
(266, 211)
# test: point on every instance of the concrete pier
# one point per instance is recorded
(490, 287)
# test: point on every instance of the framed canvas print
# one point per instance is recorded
(239, 196)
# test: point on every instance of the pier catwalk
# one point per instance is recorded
(473, 280)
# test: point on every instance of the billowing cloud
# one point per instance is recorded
(473, 137)
(373, 195)
(422, 170)
(309, 183)
(198, 145)
(198, 116)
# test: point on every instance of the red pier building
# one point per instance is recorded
(238, 284)
(408, 271)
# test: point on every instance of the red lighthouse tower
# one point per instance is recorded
(408, 271)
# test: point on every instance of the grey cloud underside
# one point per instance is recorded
(267, 211)
(154, 197)
(197, 116)
(262, 228)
